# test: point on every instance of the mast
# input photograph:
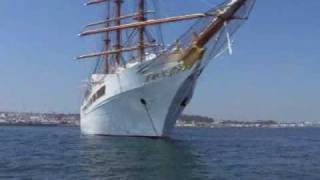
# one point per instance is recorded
(107, 44)
(140, 36)
(106, 56)
(117, 22)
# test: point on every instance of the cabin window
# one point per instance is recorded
(97, 95)
(101, 92)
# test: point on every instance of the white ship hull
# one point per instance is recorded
(146, 98)
(139, 109)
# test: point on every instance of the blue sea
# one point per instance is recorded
(62, 153)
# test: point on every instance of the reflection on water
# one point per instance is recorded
(138, 158)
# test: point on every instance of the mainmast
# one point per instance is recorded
(117, 45)
(140, 37)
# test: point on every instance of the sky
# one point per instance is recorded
(274, 72)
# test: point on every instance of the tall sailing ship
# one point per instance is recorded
(141, 85)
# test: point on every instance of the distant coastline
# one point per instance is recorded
(59, 119)
(39, 119)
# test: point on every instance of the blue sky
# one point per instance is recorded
(274, 72)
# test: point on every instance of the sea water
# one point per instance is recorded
(62, 153)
